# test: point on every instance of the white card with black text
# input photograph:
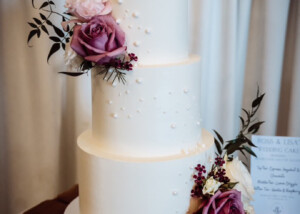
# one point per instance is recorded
(276, 175)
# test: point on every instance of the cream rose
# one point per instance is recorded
(237, 172)
(211, 186)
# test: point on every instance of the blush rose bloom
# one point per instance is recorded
(237, 172)
(99, 40)
(228, 202)
(87, 9)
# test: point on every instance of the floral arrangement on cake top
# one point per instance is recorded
(227, 188)
(89, 35)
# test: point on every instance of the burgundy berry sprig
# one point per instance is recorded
(115, 68)
(217, 172)
(199, 180)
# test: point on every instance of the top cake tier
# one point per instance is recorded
(156, 30)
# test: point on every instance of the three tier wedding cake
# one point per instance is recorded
(146, 135)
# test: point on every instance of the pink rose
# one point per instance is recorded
(229, 202)
(99, 40)
(87, 9)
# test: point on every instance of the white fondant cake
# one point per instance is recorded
(146, 135)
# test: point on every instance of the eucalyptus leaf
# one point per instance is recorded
(255, 127)
(249, 150)
(218, 146)
(219, 137)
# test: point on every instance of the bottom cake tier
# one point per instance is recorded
(114, 184)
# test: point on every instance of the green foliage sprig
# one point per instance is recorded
(249, 126)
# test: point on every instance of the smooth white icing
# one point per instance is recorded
(159, 25)
(157, 127)
(115, 184)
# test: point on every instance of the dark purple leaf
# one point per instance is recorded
(51, 2)
(257, 101)
(43, 16)
(255, 127)
(54, 38)
(37, 21)
(32, 25)
(55, 47)
(73, 74)
(45, 4)
(49, 23)
(58, 31)
(63, 46)
(32, 1)
(31, 34)
(45, 29)
(38, 33)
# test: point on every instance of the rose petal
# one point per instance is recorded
(75, 44)
(97, 58)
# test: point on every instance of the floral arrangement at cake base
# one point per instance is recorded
(89, 35)
(227, 188)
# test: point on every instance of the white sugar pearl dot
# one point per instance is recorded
(119, 21)
(148, 51)
(174, 193)
(115, 116)
(114, 84)
(127, 92)
(141, 100)
(120, 1)
(186, 91)
(203, 145)
(130, 26)
(122, 109)
(148, 31)
(137, 43)
(129, 116)
(110, 102)
(139, 80)
(135, 14)
(126, 11)
(173, 126)
(198, 123)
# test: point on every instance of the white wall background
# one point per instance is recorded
(243, 44)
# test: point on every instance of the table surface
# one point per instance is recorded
(57, 205)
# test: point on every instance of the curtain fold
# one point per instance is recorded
(242, 44)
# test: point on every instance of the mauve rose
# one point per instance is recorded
(99, 40)
(228, 202)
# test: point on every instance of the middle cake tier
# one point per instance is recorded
(156, 113)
